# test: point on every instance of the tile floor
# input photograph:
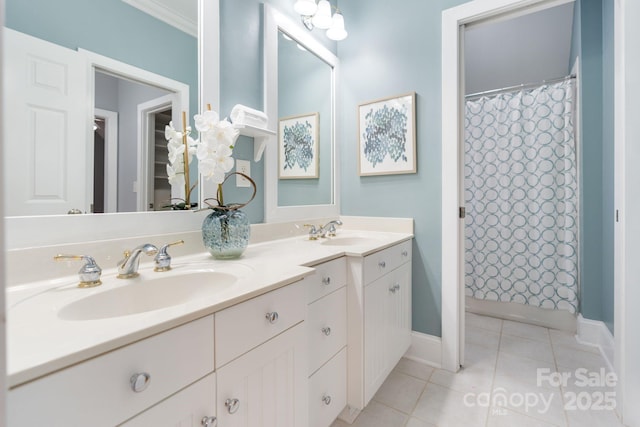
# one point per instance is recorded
(501, 385)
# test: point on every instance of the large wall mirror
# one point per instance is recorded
(300, 95)
(90, 88)
(117, 45)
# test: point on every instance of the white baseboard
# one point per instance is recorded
(595, 332)
(425, 349)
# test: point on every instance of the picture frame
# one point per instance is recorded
(387, 136)
(298, 142)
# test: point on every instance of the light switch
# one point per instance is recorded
(243, 166)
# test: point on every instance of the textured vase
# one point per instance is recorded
(225, 233)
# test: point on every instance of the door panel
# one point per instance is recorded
(46, 134)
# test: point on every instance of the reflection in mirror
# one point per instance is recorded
(305, 128)
(63, 164)
(301, 77)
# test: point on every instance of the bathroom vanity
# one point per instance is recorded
(297, 333)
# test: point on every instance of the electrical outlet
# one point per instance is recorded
(243, 166)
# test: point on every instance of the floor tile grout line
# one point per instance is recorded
(495, 370)
(561, 388)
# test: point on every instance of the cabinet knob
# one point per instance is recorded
(139, 382)
(326, 399)
(382, 264)
(272, 317)
(209, 422)
(394, 288)
(326, 330)
(326, 281)
(405, 253)
(232, 405)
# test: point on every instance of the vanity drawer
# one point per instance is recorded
(328, 391)
(327, 327)
(380, 263)
(99, 392)
(247, 325)
(193, 403)
(327, 277)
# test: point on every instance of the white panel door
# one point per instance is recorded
(266, 387)
(45, 127)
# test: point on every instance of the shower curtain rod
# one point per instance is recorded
(518, 87)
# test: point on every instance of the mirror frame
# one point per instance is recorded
(24, 232)
(273, 22)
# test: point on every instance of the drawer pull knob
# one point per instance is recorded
(405, 253)
(139, 382)
(382, 264)
(394, 288)
(272, 317)
(209, 422)
(232, 405)
(326, 330)
(326, 281)
(326, 399)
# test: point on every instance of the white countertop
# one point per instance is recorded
(40, 342)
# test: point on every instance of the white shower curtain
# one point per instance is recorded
(521, 198)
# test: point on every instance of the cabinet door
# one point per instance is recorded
(266, 387)
(387, 326)
(400, 314)
(376, 334)
(187, 408)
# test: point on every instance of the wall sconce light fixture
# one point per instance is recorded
(319, 16)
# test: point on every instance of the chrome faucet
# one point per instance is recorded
(329, 229)
(163, 259)
(313, 231)
(128, 267)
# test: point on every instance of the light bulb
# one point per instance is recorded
(305, 7)
(322, 18)
(337, 31)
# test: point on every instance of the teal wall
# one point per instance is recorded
(593, 44)
(113, 29)
(591, 275)
(394, 48)
(608, 206)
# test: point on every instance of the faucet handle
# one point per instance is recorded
(89, 273)
(163, 259)
(331, 232)
(313, 231)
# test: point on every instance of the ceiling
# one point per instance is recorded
(524, 49)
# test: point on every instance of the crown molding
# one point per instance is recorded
(174, 17)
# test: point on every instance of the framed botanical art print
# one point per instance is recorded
(387, 136)
(298, 140)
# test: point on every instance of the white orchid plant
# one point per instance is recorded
(213, 149)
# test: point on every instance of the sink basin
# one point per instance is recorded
(142, 295)
(349, 241)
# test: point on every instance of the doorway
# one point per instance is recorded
(453, 23)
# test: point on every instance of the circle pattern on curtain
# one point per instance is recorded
(521, 198)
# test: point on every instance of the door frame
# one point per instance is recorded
(453, 22)
(96, 62)
(111, 158)
(146, 152)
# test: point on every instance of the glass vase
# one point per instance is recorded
(225, 233)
